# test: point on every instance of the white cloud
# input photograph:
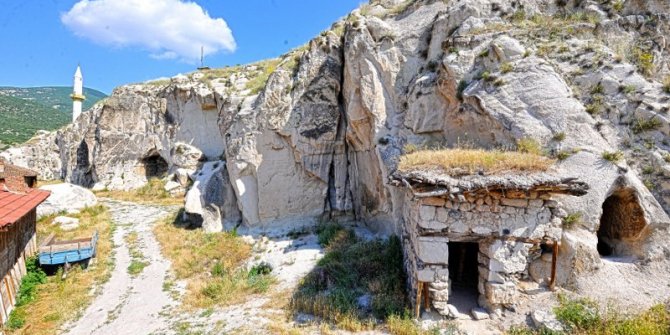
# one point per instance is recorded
(168, 29)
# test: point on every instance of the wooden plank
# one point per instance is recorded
(48, 240)
(417, 305)
(426, 297)
(554, 258)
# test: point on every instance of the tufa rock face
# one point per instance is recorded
(322, 135)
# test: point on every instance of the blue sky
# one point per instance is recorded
(39, 46)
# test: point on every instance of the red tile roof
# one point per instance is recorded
(13, 206)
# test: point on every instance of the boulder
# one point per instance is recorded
(65, 197)
(211, 201)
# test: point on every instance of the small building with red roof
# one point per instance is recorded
(18, 203)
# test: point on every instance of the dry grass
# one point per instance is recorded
(60, 300)
(210, 263)
(470, 161)
(152, 193)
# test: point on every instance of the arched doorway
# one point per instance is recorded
(620, 224)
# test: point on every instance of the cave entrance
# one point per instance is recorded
(155, 166)
(621, 222)
(464, 275)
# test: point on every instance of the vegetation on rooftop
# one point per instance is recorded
(47, 302)
(470, 161)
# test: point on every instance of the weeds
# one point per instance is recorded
(571, 219)
(529, 146)
(642, 125)
(613, 157)
(559, 137)
(506, 67)
(153, 192)
(223, 254)
(352, 268)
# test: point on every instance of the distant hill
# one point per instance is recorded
(23, 111)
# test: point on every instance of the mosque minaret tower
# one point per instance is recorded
(77, 94)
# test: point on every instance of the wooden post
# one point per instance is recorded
(554, 259)
(426, 297)
(417, 306)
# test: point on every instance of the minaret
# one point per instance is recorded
(77, 94)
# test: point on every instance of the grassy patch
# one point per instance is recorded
(529, 145)
(666, 84)
(210, 263)
(266, 68)
(642, 125)
(613, 157)
(572, 219)
(138, 261)
(582, 317)
(46, 305)
(152, 193)
(353, 268)
(470, 161)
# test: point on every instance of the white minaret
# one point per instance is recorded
(77, 94)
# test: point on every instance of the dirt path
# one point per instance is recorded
(131, 304)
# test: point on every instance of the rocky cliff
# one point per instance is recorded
(317, 132)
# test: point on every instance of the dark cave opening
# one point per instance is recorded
(155, 166)
(622, 219)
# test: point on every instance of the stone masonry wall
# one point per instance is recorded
(508, 227)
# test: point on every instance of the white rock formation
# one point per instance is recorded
(65, 197)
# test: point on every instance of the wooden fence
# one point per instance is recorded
(18, 242)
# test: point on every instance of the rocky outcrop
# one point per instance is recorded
(317, 132)
(66, 198)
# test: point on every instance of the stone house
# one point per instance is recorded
(474, 238)
(18, 203)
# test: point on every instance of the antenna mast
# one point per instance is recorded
(202, 59)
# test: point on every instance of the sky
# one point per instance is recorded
(127, 41)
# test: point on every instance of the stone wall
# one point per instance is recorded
(509, 229)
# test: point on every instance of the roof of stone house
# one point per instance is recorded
(14, 206)
(428, 183)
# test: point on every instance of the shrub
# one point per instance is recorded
(627, 89)
(563, 155)
(529, 146)
(594, 108)
(598, 89)
(559, 137)
(666, 84)
(614, 157)
(648, 170)
(351, 268)
(571, 219)
(642, 125)
(402, 325)
(618, 6)
(506, 67)
(644, 60)
(577, 314)
(666, 158)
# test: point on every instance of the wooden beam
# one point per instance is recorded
(418, 300)
(554, 259)
(426, 297)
